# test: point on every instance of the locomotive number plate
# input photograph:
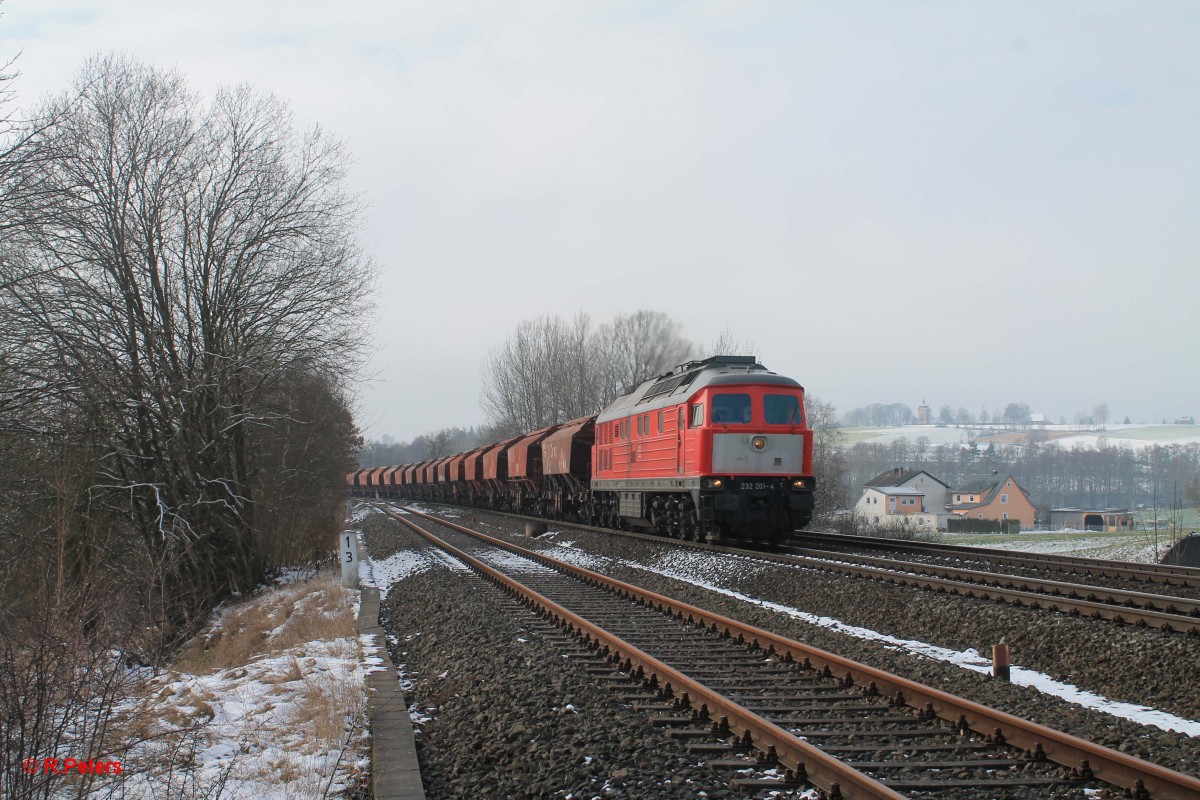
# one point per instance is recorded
(756, 485)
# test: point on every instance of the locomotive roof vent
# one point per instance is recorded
(720, 361)
(685, 374)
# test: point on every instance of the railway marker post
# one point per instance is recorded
(349, 558)
(1000, 663)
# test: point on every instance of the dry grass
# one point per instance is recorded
(270, 624)
(273, 682)
(314, 710)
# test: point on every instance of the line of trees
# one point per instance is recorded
(386, 451)
(551, 370)
(181, 293)
(1104, 476)
(1015, 414)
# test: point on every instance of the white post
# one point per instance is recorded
(349, 559)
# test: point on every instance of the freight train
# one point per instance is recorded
(718, 448)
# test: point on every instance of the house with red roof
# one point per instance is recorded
(996, 497)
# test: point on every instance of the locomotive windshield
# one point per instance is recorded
(731, 409)
(782, 409)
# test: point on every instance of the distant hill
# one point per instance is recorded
(1067, 436)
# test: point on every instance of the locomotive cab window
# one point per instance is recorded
(731, 409)
(697, 415)
(782, 409)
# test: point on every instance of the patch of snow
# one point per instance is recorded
(372, 661)
(449, 561)
(407, 684)
(362, 511)
(511, 562)
(418, 717)
(294, 575)
(400, 565)
(397, 567)
(566, 551)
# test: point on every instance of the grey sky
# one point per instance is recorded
(975, 203)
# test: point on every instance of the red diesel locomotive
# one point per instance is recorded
(715, 448)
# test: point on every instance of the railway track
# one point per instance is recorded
(1167, 612)
(746, 699)
(1162, 575)
(1175, 613)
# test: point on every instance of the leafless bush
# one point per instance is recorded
(62, 673)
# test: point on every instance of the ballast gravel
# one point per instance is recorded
(502, 717)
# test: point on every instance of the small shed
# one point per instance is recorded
(1091, 519)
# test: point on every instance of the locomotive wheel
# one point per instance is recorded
(689, 521)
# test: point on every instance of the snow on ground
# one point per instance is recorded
(434, 512)
(1137, 546)
(511, 562)
(286, 721)
(361, 512)
(384, 573)
(1107, 548)
(711, 572)
(567, 551)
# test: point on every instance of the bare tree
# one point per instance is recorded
(198, 261)
(550, 370)
(829, 464)
(1017, 414)
(638, 346)
(727, 345)
(544, 373)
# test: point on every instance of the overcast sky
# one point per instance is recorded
(972, 203)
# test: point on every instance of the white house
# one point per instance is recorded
(936, 493)
(894, 507)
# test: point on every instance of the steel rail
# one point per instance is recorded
(1182, 606)
(1108, 765)
(793, 753)
(1169, 574)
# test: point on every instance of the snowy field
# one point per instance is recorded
(1141, 546)
(1065, 436)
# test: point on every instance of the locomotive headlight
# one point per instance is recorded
(801, 483)
(712, 483)
(759, 443)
